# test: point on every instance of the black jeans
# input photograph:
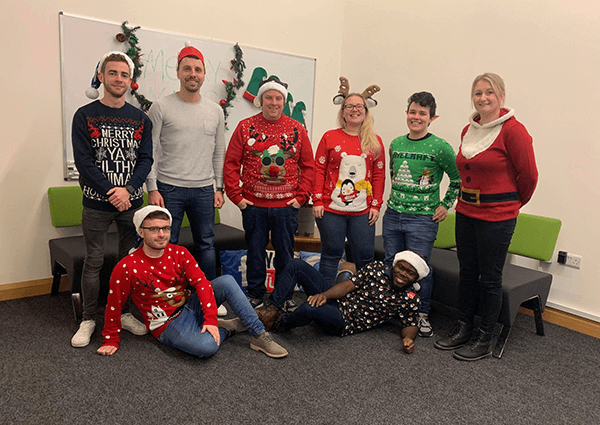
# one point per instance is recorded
(482, 247)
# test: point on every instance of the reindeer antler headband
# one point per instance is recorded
(345, 90)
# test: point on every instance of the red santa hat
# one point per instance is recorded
(189, 50)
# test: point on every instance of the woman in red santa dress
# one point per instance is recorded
(498, 171)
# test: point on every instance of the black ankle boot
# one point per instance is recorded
(480, 347)
(459, 337)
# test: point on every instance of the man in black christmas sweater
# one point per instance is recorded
(112, 148)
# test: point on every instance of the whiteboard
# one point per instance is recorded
(83, 41)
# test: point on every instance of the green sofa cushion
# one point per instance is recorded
(66, 207)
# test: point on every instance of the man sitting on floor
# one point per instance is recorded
(359, 302)
(156, 275)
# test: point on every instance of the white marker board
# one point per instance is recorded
(83, 41)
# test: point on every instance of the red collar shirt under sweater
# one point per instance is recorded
(272, 159)
(158, 288)
(496, 158)
(348, 182)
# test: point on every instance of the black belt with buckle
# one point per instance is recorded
(473, 197)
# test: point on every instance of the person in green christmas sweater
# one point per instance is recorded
(418, 161)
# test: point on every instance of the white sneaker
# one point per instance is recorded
(83, 335)
(133, 325)
(222, 311)
(425, 329)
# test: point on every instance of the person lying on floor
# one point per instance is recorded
(361, 301)
(156, 276)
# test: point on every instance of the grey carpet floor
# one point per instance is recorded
(359, 379)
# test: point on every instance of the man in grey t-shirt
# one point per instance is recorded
(189, 151)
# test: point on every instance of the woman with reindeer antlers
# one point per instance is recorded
(349, 184)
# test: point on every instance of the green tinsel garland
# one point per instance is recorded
(238, 66)
(134, 53)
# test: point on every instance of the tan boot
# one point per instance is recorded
(265, 343)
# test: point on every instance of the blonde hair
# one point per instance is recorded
(368, 138)
(495, 81)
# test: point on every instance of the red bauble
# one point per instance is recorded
(134, 86)
(121, 37)
(222, 102)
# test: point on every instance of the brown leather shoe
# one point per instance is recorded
(268, 314)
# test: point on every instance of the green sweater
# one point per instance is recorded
(417, 168)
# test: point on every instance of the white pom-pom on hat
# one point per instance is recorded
(92, 91)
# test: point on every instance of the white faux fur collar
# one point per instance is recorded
(480, 137)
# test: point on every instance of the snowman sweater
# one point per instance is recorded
(273, 160)
(336, 187)
(417, 168)
(157, 287)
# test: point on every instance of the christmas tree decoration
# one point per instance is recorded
(121, 37)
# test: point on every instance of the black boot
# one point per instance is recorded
(480, 347)
(459, 337)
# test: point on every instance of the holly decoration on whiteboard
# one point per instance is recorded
(134, 52)
(237, 66)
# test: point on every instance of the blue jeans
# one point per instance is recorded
(258, 222)
(481, 248)
(334, 228)
(302, 273)
(327, 316)
(95, 224)
(198, 203)
(184, 332)
(414, 232)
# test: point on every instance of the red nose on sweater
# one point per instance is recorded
(273, 171)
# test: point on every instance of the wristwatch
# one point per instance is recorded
(220, 189)
(130, 189)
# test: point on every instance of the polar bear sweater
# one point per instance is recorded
(347, 180)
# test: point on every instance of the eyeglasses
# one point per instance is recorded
(351, 107)
(155, 230)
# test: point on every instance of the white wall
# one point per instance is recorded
(30, 111)
(547, 51)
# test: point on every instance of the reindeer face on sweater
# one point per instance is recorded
(174, 295)
(273, 163)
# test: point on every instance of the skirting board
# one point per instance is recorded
(32, 288)
(568, 320)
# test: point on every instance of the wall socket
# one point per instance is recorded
(573, 261)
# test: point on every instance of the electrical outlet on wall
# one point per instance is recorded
(573, 261)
